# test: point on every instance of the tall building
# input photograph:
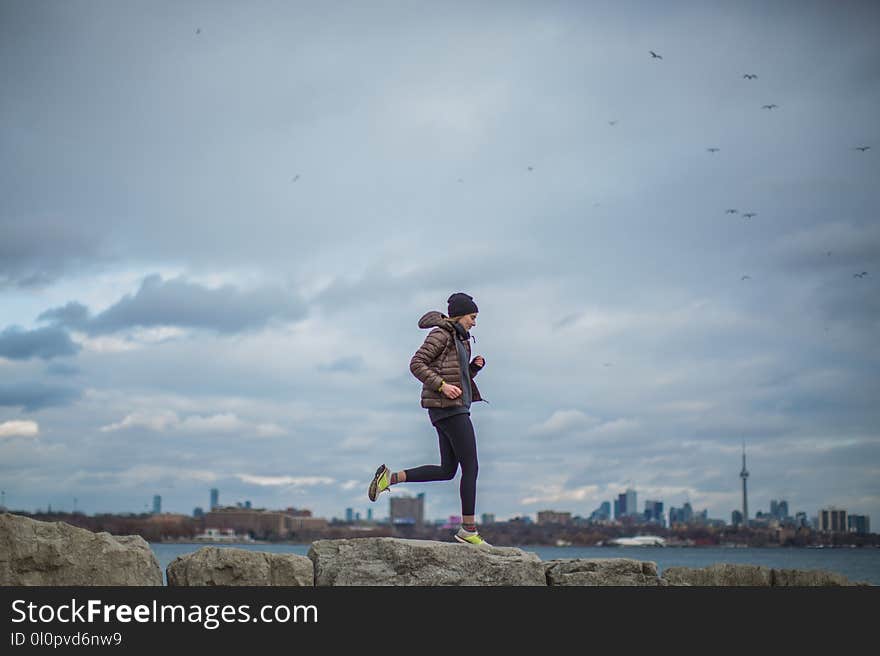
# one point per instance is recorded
(369, 514)
(349, 515)
(487, 518)
(736, 518)
(631, 505)
(683, 515)
(654, 512)
(801, 521)
(215, 498)
(408, 510)
(744, 474)
(779, 509)
(832, 519)
(603, 512)
(620, 506)
(157, 504)
(858, 523)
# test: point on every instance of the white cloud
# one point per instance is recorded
(25, 428)
(293, 481)
(153, 421)
(558, 493)
(562, 421)
(220, 423)
(167, 421)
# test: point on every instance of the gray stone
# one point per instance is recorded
(720, 574)
(232, 567)
(810, 578)
(396, 561)
(601, 572)
(55, 553)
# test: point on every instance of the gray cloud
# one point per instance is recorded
(32, 396)
(46, 343)
(177, 302)
(62, 369)
(350, 364)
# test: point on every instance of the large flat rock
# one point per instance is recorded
(810, 578)
(235, 567)
(720, 574)
(396, 561)
(602, 572)
(56, 554)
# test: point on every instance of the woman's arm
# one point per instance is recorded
(434, 345)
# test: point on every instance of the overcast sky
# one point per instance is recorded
(221, 222)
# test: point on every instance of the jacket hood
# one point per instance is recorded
(437, 318)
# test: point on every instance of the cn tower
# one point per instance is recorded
(744, 474)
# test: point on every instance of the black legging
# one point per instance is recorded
(458, 444)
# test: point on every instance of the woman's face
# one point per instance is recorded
(468, 321)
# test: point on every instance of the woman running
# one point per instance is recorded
(444, 367)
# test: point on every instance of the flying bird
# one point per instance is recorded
(828, 253)
(860, 275)
(460, 180)
(749, 215)
(750, 76)
(713, 150)
(863, 148)
(612, 123)
(606, 364)
(746, 278)
(530, 168)
(769, 106)
(198, 30)
(655, 55)
(295, 178)
(731, 211)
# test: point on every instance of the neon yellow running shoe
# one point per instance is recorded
(381, 482)
(469, 537)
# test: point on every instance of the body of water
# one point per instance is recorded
(860, 564)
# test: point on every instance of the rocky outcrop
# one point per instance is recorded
(234, 567)
(55, 553)
(602, 571)
(395, 561)
(58, 554)
(810, 578)
(728, 574)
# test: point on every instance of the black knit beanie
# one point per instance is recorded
(461, 304)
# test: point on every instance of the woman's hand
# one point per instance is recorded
(450, 391)
(479, 361)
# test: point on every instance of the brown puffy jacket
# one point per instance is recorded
(437, 359)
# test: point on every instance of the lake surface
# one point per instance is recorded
(861, 564)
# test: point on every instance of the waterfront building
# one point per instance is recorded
(408, 509)
(487, 518)
(349, 515)
(553, 517)
(858, 523)
(215, 498)
(157, 504)
(832, 519)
